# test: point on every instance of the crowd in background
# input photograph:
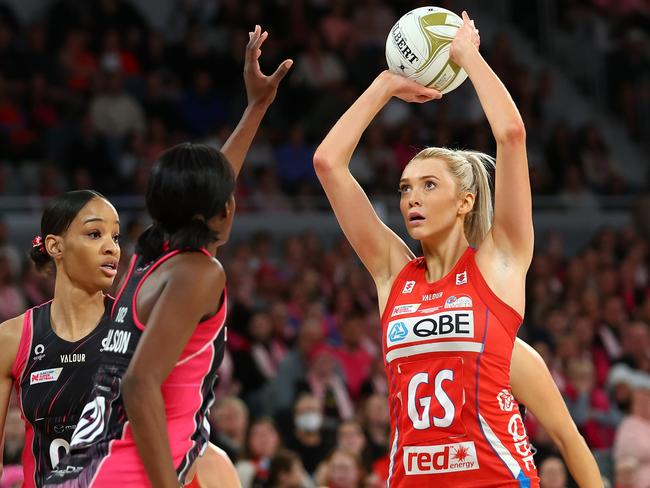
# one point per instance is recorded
(609, 46)
(89, 96)
(304, 372)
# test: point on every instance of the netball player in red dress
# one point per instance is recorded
(449, 318)
(50, 353)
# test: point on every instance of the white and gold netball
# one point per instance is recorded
(418, 47)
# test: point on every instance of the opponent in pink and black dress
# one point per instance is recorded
(53, 379)
(103, 450)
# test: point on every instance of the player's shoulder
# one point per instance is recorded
(10, 334)
(197, 267)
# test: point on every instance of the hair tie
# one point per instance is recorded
(37, 241)
(165, 246)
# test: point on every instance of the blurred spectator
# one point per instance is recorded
(342, 469)
(114, 112)
(633, 435)
(229, 419)
(286, 471)
(12, 302)
(552, 473)
(589, 405)
(14, 437)
(308, 436)
(262, 443)
(256, 362)
(325, 383)
(9, 251)
(355, 361)
(293, 367)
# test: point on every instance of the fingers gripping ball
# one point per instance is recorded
(418, 48)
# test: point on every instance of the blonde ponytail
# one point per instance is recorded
(471, 170)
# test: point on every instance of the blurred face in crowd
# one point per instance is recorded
(552, 473)
(641, 403)
(581, 374)
(308, 414)
(377, 412)
(343, 470)
(263, 440)
(352, 331)
(614, 312)
(293, 478)
(625, 473)
(260, 327)
(323, 365)
(636, 340)
(231, 418)
(351, 438)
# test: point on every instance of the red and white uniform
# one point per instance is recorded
(448, 347)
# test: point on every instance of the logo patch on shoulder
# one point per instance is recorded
(404, 309)
(461, 278)
(44, 376)
(397, 332)
(408, 287)
(458, 301)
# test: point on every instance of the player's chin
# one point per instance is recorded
(104, 282)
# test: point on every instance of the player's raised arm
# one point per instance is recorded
(260, 91)
(546, 404)
(512, 230)
(376, 245)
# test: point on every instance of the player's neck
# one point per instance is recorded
(75, 312)
(443, 254)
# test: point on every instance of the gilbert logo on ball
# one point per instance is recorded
(418, 47)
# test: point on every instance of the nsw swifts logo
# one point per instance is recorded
(445, 458)
(506, 401)
(458, 301)
(461, 278)
(408, 287)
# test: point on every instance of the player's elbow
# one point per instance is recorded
(133, 388)
(513, 133)
(322, 161)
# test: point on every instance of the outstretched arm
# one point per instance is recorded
(375, 244)
(533, 386)
(512, 230)
(260, 91)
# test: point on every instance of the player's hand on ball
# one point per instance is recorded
(407, 90)
(260, 88)
(466, 39)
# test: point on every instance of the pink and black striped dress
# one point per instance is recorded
(103, 451)
(53, 379)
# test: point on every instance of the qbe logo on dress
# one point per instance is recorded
(448, 324)
(44, 376)
(397, 332)
(445, 458)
